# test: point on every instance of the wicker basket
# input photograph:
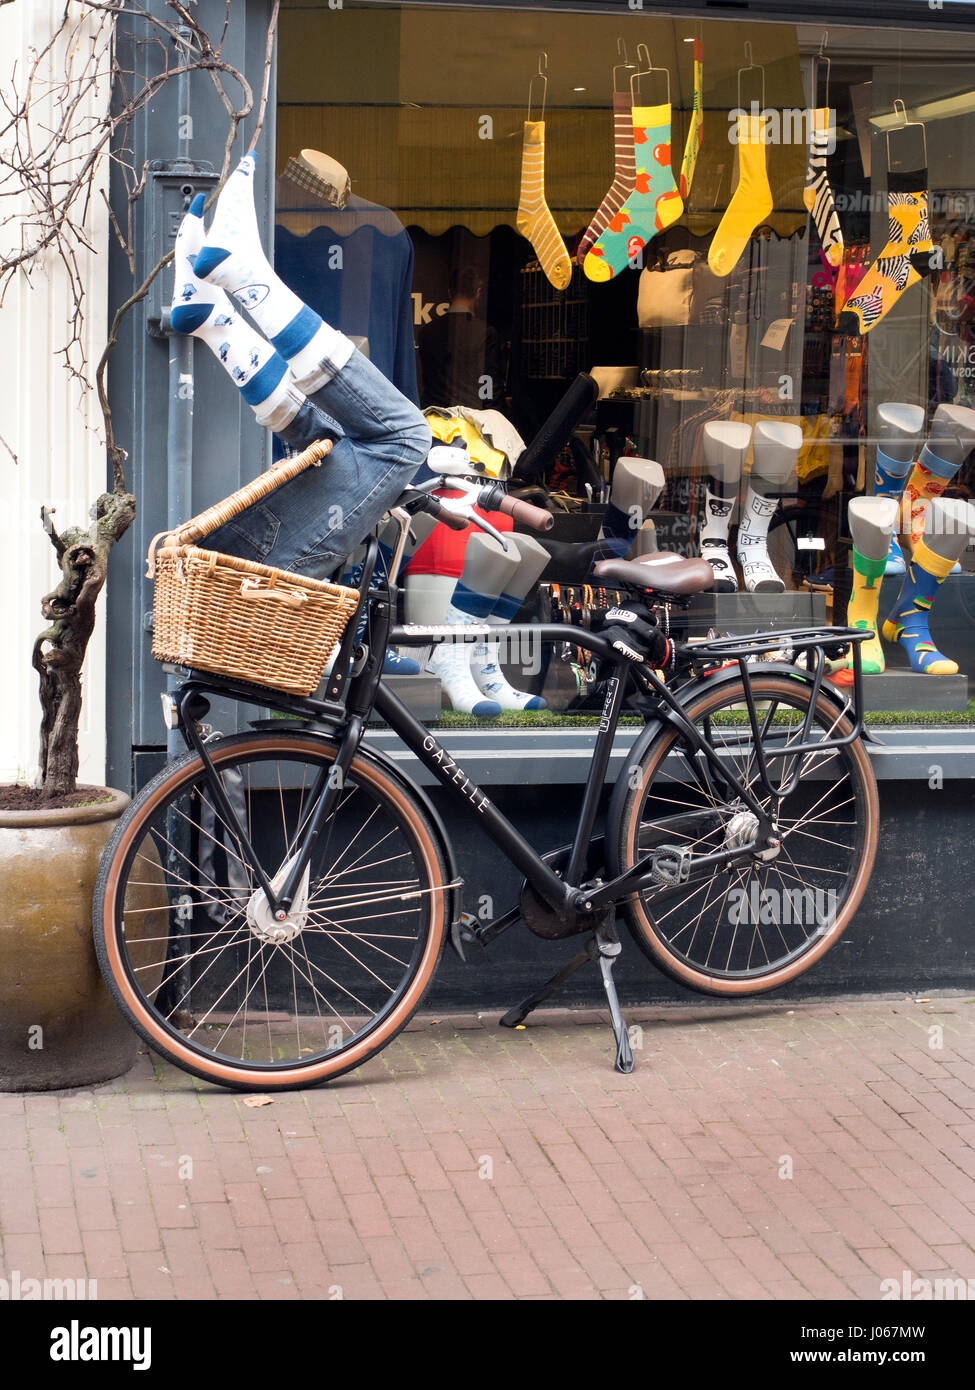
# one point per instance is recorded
(263, 625)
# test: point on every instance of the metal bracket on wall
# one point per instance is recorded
(172, 185)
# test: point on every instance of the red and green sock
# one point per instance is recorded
(653, 205)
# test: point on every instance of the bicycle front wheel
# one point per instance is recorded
(749, 927)
(186, 941)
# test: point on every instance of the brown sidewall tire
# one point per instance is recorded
(226, 1073)
(626, 835)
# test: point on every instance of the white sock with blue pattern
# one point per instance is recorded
(205, 312)
(232, 257)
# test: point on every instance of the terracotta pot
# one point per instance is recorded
(58, 1025)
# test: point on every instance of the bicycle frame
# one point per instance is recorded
(566, 894)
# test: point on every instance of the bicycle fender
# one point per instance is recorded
(689, 694)
(391, 767)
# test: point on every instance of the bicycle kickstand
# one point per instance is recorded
(607, 944)
(603, 946)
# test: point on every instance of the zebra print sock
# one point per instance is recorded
(903, 262)
(818, 196)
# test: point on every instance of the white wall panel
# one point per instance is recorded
(50, 424)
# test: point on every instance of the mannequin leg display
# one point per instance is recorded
(950, 441)
(644, 542)
(485, 666)
(486, 574)
(637, 484)
(900, 428)
(379, 437)
(873, 521)
(775, 449)
(258, 371)
(725, 449)
(948, 528)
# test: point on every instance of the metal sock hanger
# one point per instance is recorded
(543, 74)
(621, 52)
(751, 66)
(643, 50)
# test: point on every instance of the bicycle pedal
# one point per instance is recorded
(671, 865)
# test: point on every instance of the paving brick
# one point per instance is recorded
(665, 1184)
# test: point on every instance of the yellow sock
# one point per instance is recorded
(904, 260)
(534, 219)
(752, 201)
(862, 610)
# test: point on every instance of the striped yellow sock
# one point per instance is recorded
(534, 219)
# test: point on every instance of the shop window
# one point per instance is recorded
(771, 341)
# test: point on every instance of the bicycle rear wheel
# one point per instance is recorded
(750, 927)
(186, 941)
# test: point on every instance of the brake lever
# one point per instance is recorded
(465, 510)
(486, 526)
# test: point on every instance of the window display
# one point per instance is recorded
(698, 288)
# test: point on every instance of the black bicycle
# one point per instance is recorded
(272, 906)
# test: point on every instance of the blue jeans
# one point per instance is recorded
(311, 523)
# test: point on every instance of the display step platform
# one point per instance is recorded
(901, 691)
(742, 613)
(420, 694)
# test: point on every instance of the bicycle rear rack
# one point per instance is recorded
(796, 642)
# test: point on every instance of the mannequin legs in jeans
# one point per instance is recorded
(305, 381)
(316, 520)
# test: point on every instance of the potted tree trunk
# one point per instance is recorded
(68, 104)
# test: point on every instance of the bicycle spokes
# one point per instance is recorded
(219, 965)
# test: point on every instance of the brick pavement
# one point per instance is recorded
(759, 1151)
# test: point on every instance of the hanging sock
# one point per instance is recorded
(751, 202)
(205, 312)
(908, 621)
(624, 174)
(233, 258)
(757, 569)
(817, 195)
(534, 220)
(862, 610)
(653, 205)
(929, 479)
(692, 145)
(904, 260)
(714, 541)
(889, 482)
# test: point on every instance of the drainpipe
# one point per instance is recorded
(179, 424)
(179, 504)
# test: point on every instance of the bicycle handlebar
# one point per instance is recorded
(492, 497)
(436, 508)
(526, 513)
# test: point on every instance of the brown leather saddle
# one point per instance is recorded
(664, 573)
